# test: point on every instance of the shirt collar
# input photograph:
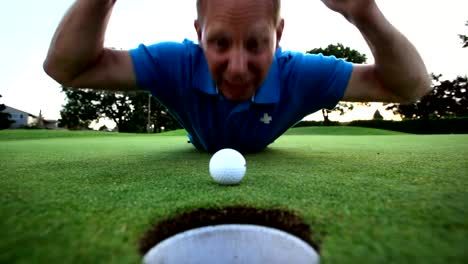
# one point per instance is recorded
(267, 93)
(202, 79)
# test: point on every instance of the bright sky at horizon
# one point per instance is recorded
(28, 26)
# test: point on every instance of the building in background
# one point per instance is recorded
(24, 119)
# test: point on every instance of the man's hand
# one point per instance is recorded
(352, 10)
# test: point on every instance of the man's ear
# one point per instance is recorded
(279, 32)
(198, 28)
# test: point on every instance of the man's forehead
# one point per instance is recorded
(217, 2)
(236, 9)
(220, 29)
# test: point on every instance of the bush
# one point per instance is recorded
(418, 126)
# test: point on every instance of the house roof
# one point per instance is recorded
(7, 109)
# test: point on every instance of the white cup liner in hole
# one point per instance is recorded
(232, 243)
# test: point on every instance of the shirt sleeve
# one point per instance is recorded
(318, 81)
(161, 68)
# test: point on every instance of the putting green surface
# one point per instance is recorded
(88, 197)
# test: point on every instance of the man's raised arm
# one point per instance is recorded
(77, 57)
(399, 73)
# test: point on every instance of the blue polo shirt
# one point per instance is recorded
(297, 84)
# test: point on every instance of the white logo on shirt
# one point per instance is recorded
(266, 119)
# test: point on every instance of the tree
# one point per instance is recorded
(464, 38)
(128, 110)
(81, 108)
(341, 52)
(119, 107)
(40, 120)
(377, 115)
(160, 119)
(348, 54)
(447, 99)
(5, 121)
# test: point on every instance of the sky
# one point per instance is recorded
(27, 28)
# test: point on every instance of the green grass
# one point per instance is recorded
(20, 134)
(81, 197)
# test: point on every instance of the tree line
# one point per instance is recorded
(136, 112)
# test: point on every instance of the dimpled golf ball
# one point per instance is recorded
(227, 167)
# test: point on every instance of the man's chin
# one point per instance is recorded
(237, 97)
(237, 93)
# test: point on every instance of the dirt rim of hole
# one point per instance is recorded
(283, 220)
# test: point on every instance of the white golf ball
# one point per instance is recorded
(227, 166)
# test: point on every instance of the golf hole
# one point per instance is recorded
(230, 235)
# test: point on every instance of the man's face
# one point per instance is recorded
(239, 39)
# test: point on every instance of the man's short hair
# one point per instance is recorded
(276, 10)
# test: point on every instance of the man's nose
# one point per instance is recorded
(237, 65)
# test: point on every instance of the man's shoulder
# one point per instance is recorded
(298, 61)
(285, 56)
(191, 46)
(168, 48)
(166, 64)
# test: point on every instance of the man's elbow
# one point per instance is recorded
(419, 88)
(57, 73)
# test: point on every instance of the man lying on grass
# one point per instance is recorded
(237, 88)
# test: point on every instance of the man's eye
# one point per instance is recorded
(222, 43)
(252, 45)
